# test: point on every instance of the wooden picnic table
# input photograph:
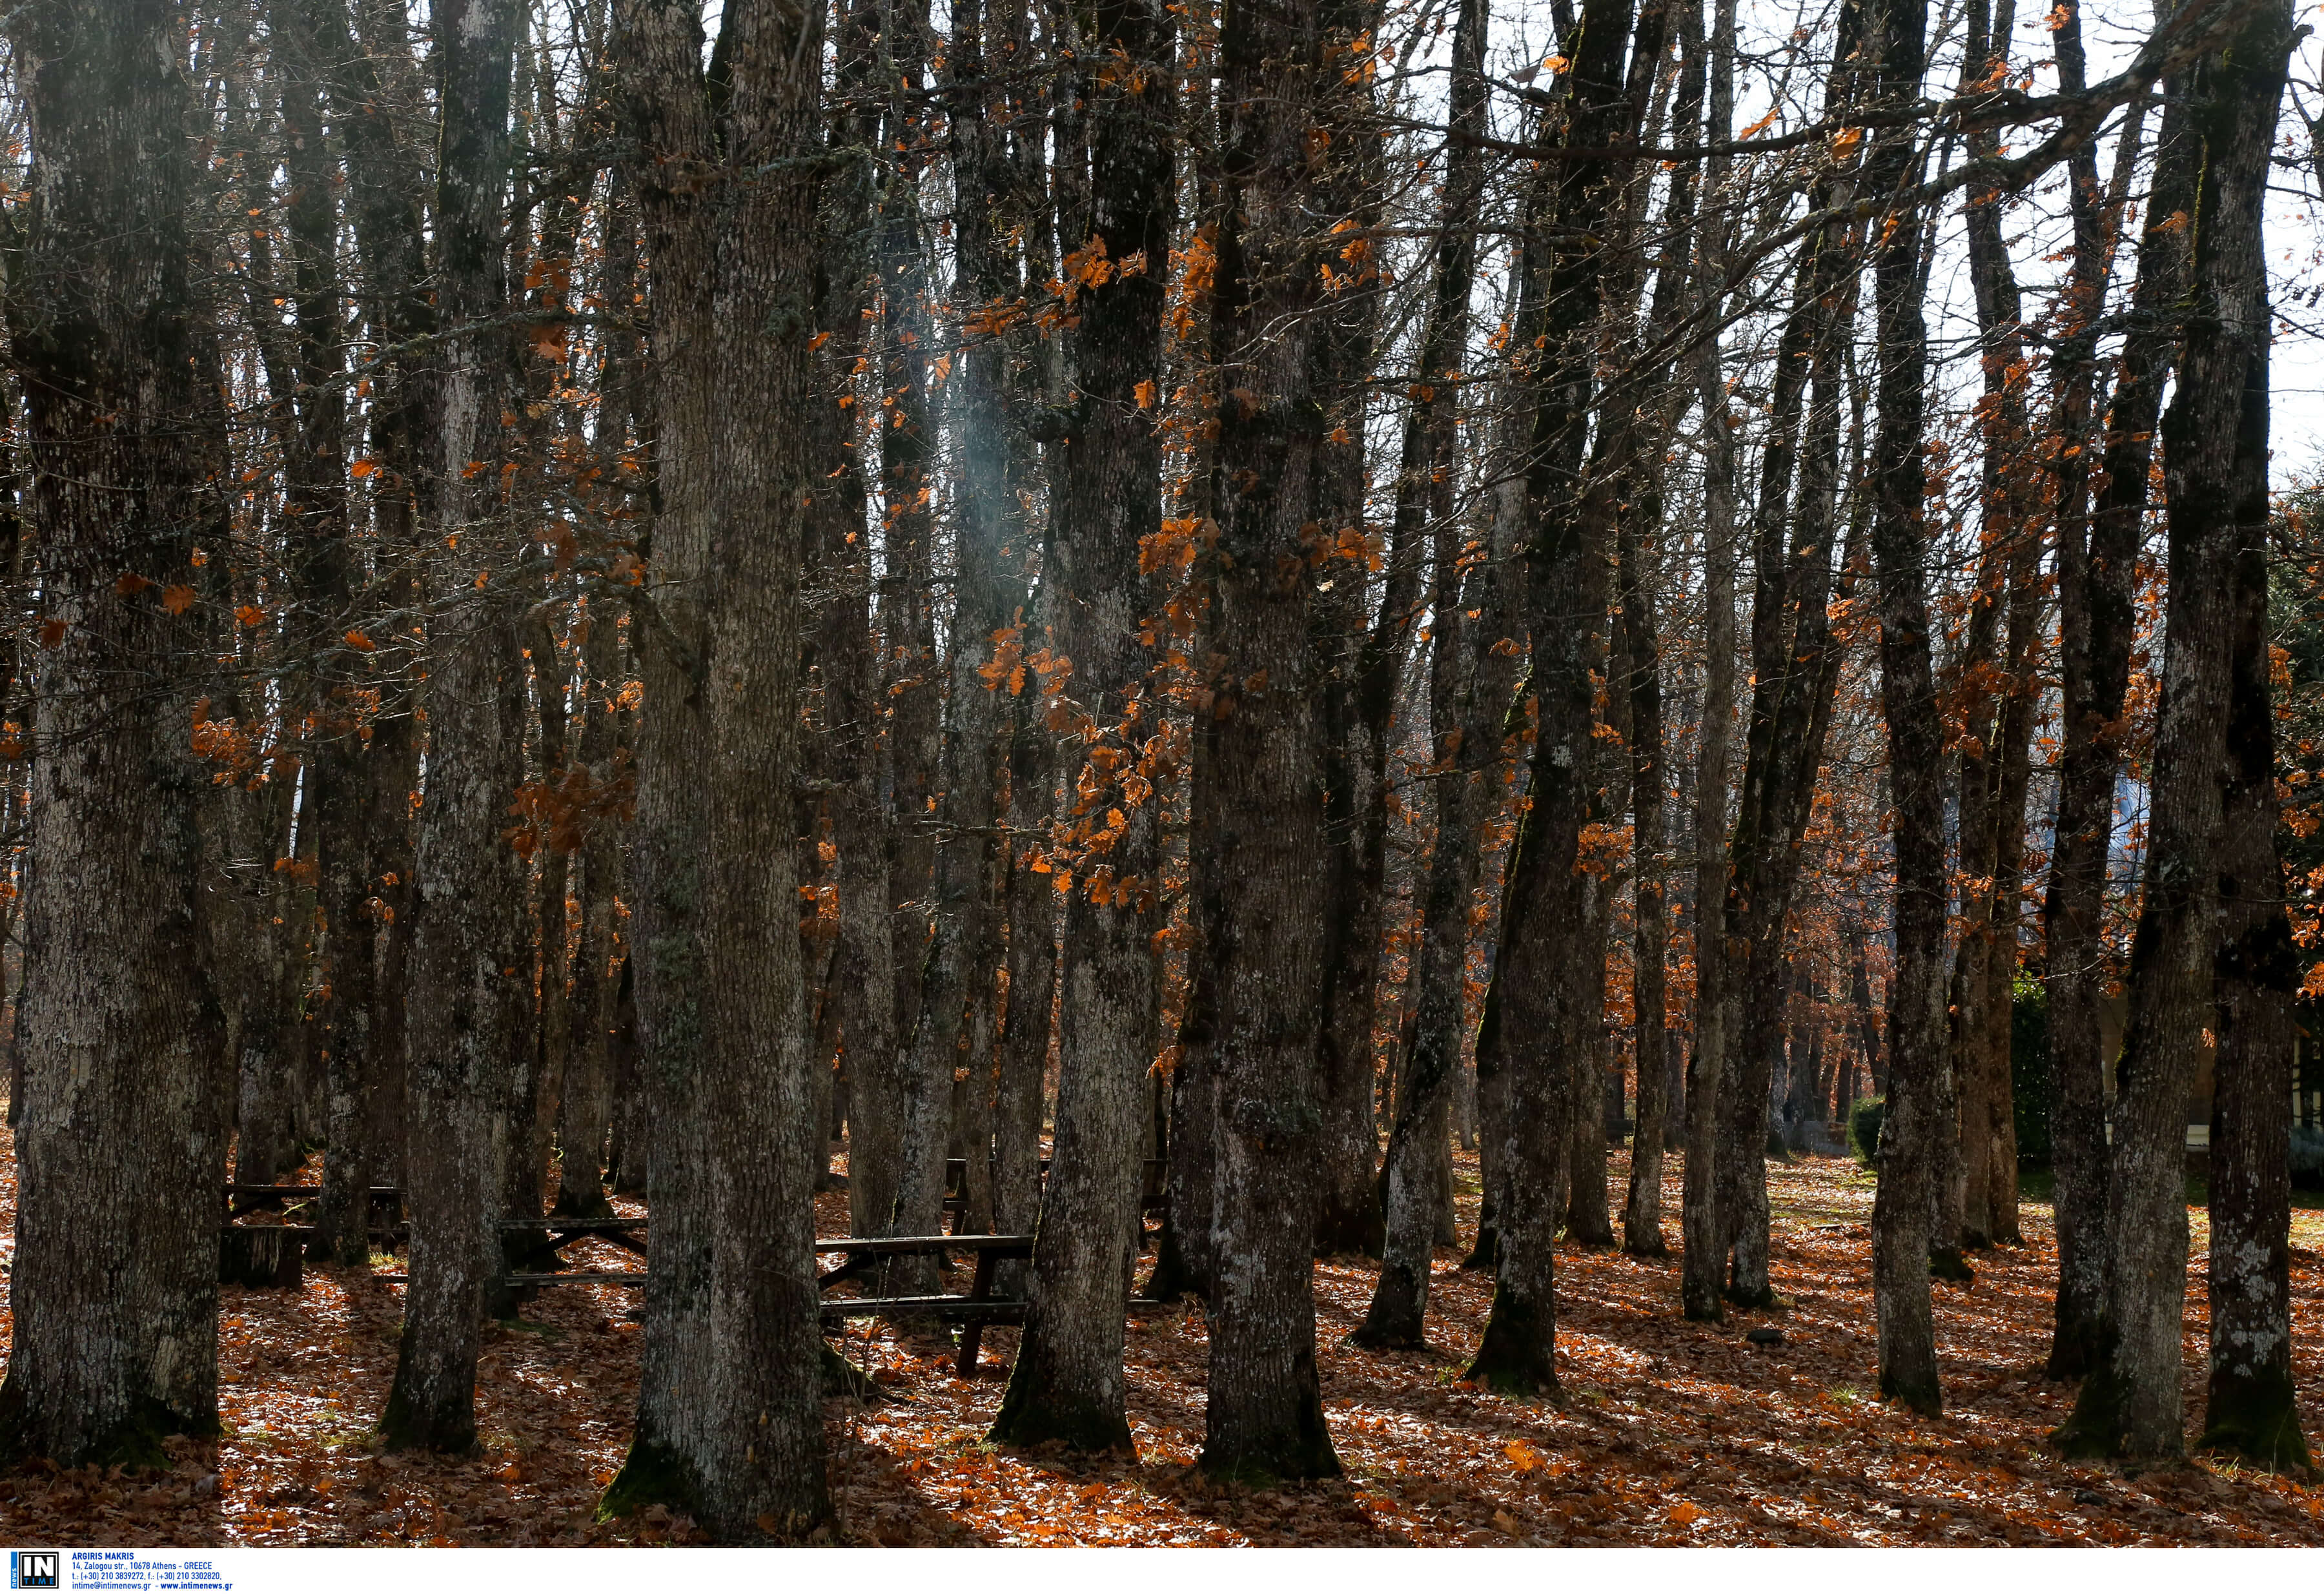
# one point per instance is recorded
(974, 1309)
(282, 1247)
(1153, 1190)
(255, 1198)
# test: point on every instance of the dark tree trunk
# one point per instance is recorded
(1068, 1381)
(1640, 650)
(1895, 49)
(471, 951)
(1642, 1209)
(337, 779)
(1262, 922)
(2253, 1406)
(384, 203)
(584, 1106)
(864, 971)
(958, 981)
(1998, 698)
(2096, 624)
(912, 684)
(121, 1140)
(761, 1475)
(1365, 673)
(1462, 722)
(2214, 473)
(1704, 1266)
(1499, 718)
(1030, 904)
(659, 45)
(1021, 1090)
(2252, 1409)
(1794, 672)
(1544, 1012)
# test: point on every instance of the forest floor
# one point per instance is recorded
(1669, 1432)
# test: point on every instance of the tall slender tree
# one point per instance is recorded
(761, 1471)
(1895, 51)
(1068, 1381)
(1462, 717)
(1255, 796)
(472, 948)
(2215, 476)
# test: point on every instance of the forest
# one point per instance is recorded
(1161, 771)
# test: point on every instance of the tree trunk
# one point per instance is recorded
(584, 1111)
(1462, 724)
(2214, 473)
(470, 948)
(1642, 1210)
(911, 684)
(1262, 930)
(1998, 697)
(1365, 664)
(120, 1142)
(2096, 624)
(1547, 990)
(864, 970)
(2252, 1409)
(335, 777)
(1068, 1382)
(1895, 49)
(762, 1474)
(1021, 1089)
(1795, 672)
(1703, 1263)
(658, 44)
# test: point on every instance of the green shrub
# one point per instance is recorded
(2029, 1068)
(1864, 1127)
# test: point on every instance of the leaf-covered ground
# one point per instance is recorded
(1671, 1432)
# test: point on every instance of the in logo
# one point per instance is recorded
(32, 1568)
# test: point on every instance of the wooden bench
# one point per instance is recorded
(972, 1310)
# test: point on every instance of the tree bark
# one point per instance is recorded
(1895, 49)
(121, 1142)
(658, 44)
(585, 1109)
(1794, 672)
(2252, 1409)
(471, 951)
(1703, 1263)
(1366, 662)
(1461, 719)
(336, 781)
(1547, 988)
(2096, 624)
(1262, 930)
(1068, 1382)
(864, 973)
(761, 1475)
(2214, 473)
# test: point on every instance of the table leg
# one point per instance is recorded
(971, 1329)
